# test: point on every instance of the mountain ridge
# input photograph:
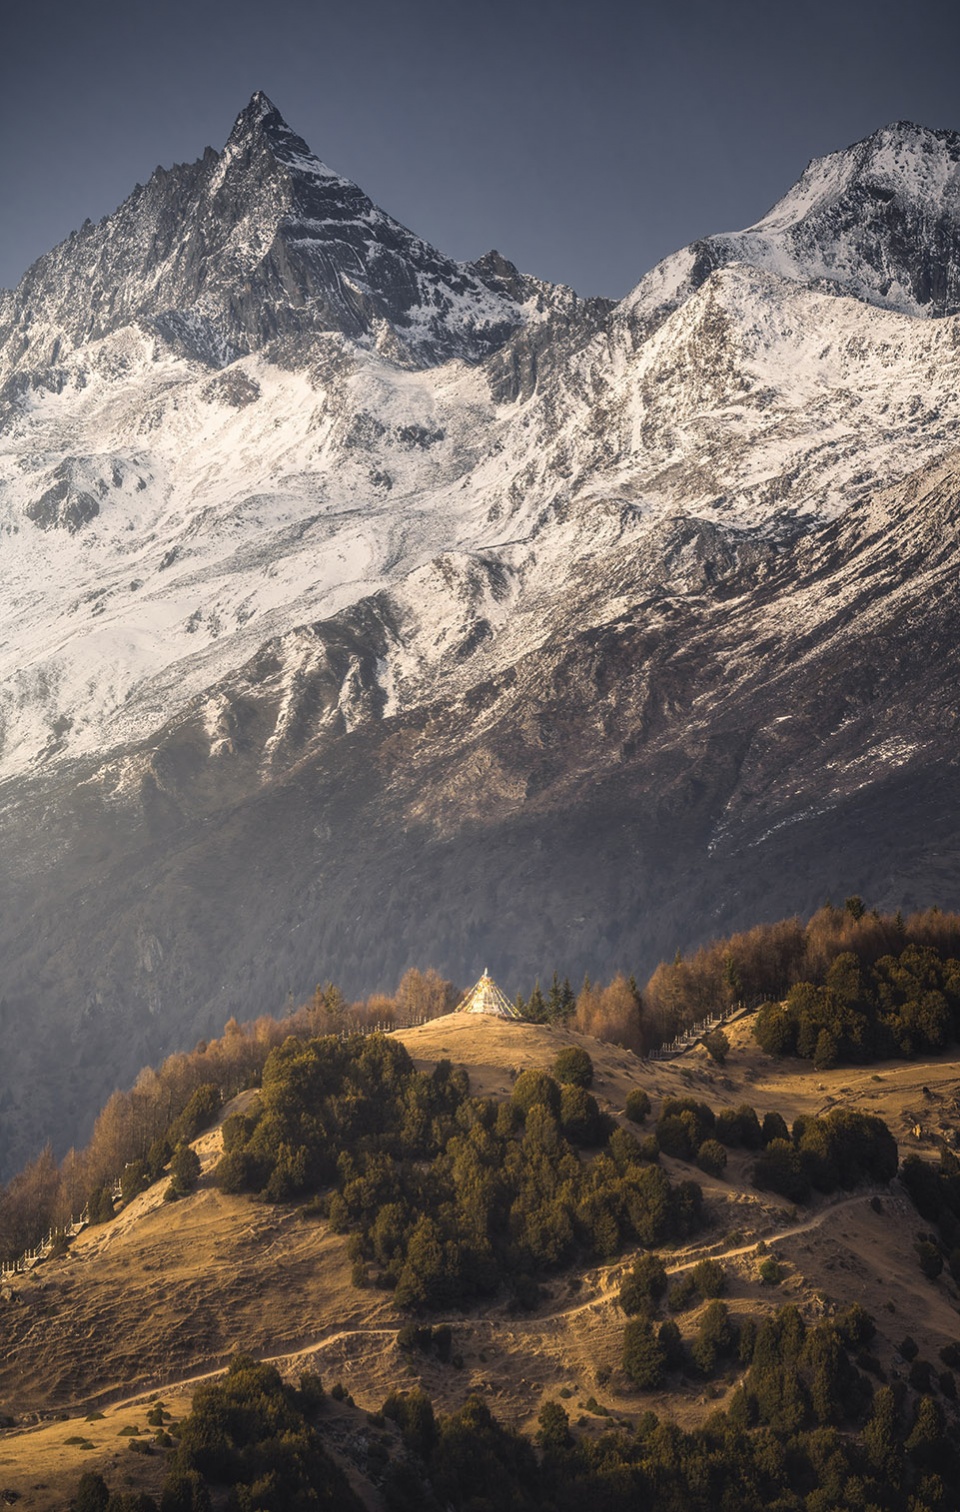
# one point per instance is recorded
(259, 241)
(403, 636)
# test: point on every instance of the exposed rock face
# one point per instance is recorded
(257, 245)
(879, 220)
(419, 612)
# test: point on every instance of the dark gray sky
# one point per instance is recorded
(584, 140)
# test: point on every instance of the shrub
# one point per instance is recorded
(671, 1342)
(921, 1375)
(643, 1285)
(727, 1126)
(774, 1127)
(775, 1029)
(931, 1260)
(238, 1128)
(740, 1126)
(779, 1169)
(92, 1493)
(675, 1137)
(573, 1067)
(637, 1106)
(714, 1338)
(710, 1278)
(909, 1348)
(870, 1364)
(769, 1272)
(100, 1206)
(184, 1171)
(414, 1336)
(683, 1125)
(644, 1357)
(751, 1134)
(234, 1172)
(712, 1158)
(554, 1427)
(158, 1156)
(199, 1114)
(682, 1293)
(533, 1088)
(747, 1340)
(135, 1179)
(580, 1116)
(827, 1050)
(412, 1411)
(855, 1326)
(717, 1045)
(184, 1491)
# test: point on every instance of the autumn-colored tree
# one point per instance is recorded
(29, 1205)
(424, 995)
(611, 1013)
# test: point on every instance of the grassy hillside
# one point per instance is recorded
(166, 1292)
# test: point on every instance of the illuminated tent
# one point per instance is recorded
(487, 998)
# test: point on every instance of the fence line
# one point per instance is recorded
(40, 1251)
(687, 1037)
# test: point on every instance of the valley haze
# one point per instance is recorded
(364, 608)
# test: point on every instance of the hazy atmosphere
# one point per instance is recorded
(479, 765)
(584, 142)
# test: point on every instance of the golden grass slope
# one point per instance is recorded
(165, 1293)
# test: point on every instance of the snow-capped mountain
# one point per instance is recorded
(878, 220)
(362, 607)
(257, 244)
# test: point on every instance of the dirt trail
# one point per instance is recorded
(312, 1346)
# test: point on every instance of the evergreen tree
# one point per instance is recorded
(536, 1007)
(644, 1357)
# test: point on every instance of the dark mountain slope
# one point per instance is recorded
(785, 728)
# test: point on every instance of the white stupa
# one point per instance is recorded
(487, 998)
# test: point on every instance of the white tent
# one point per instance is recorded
(487, 998)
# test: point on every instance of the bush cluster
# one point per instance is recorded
(842, 1149)
(447, 1196)
(691, 1130)
(804, 1433)
(900, 1005)
(762, 964)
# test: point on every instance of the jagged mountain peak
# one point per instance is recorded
(878, 221)
(259, 110)
(900, 161)
(261, 118)
(261, 245)
(260, 124)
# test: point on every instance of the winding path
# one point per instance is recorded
(314, 1346)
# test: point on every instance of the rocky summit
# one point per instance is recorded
(364, 608)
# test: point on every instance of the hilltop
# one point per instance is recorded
(165, 1293)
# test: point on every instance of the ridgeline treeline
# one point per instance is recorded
(143, 1126)
(857, 984)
